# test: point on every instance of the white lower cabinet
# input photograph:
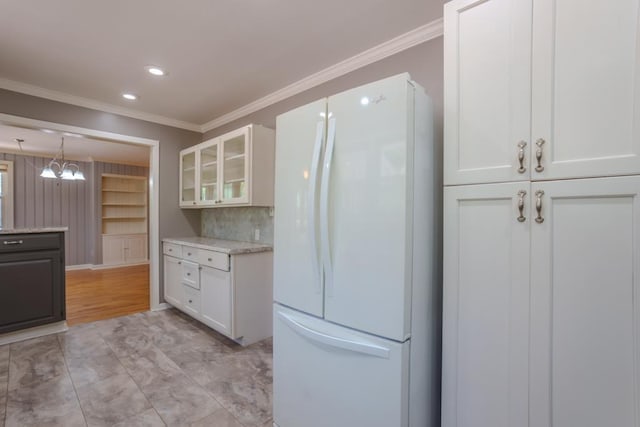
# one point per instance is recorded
(173, 293)
(124, 249)
(541, 316)
(232, 294)
(216, 290)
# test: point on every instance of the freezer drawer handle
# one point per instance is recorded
(346, 344)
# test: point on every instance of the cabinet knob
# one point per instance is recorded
(188, 274)
(190, 301)
(188, 253)
(170, 250)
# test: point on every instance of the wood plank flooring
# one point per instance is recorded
(103, 294)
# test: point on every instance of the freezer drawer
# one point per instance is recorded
(327, 375)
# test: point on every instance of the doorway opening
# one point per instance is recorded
(117, 219)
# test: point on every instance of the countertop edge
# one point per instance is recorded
(218, 245)
(34, 230)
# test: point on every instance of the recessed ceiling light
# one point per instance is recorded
(156, 71)
(129, 96)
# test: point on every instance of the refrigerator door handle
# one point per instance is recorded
(332, 341)
(324, 208)
(315, 162)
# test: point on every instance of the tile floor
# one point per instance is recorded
(148, 369)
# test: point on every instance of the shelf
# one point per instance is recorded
(139, 205)
(209, 185)
(230, 181)
(189, 169)
(204, 165)
(235, 157)
(120, 218)
(188, 188)
(109, 190)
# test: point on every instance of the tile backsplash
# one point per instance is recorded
(238, 224)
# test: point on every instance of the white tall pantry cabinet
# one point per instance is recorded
(542, 213)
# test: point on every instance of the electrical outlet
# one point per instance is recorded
(256, 234)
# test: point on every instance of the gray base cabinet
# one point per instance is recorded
(31, 280)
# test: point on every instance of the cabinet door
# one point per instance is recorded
(585, 282)
(235, 158)
(136, 249)
(31, 289)
(173, 293)
(487, 85)
(113, 250)
(486, 306)
(188, 178)
(216, 299)
(208, 171)
(586, 87)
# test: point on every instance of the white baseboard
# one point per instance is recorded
(78, 267)
(35, 332)
(161, 306)
(108, 266)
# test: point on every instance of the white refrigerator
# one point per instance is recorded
(356, 339)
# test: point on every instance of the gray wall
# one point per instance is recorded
(173, 220)
(425, 64)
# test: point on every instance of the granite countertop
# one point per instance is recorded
(33, 230)
(230, 247)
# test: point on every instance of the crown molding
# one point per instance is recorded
(52, 95)
(405, 41)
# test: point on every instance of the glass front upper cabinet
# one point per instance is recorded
(188, 178)
(209, 174)
(234, 147)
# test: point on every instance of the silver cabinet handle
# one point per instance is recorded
(539, 143)
(521, 195)
(12, 242)
(539, 218)
(521, 146)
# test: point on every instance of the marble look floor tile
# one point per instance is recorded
(35, 361)
(220, 418)
(147, 367)
(248, 400)
(148, 418)
(4, 362)
(88, 370)
(74, 344)
(51, 403)
(179, 400)
(3, 400)
(112, 400)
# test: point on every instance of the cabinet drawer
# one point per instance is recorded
(214, 259)
(30, 242)
(190, 253)
(191, 274)
(191, 303)
(172, 249)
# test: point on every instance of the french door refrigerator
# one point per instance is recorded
(356, 311)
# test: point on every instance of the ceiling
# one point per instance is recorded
(220, 55)
(77, 147)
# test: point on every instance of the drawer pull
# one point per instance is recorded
(13, 242)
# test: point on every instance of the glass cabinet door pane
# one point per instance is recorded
(235, 168)
(209, 174)
(189, 177)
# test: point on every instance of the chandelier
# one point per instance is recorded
(63, 169)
